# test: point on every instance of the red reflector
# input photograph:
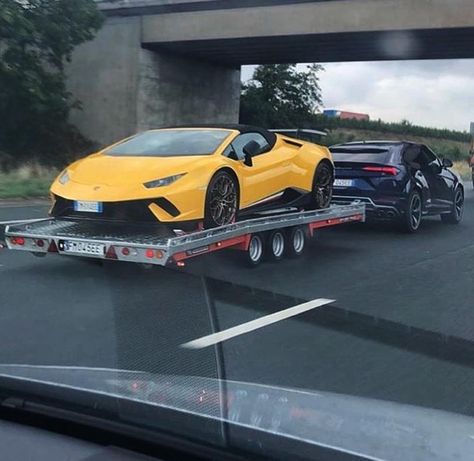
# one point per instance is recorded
(150, 254)
(125, 251)
(52, 247)
(391, 170)
(40, 243)
(111, 254)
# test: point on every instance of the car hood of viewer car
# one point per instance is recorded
(122, 171)
(372, 428)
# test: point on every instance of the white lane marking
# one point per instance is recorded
(224, 335)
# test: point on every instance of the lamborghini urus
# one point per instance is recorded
(398, 181)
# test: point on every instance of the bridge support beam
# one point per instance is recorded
(124, 88)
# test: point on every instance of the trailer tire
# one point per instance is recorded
(296, 239)
(256, 251)
(276, 245)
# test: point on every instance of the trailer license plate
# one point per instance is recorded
(88, 207)
(343, 182)
(82, 248)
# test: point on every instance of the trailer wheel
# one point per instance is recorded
(256, 250)
(296, 241)
(276, 245)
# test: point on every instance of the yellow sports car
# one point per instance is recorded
(206, 175)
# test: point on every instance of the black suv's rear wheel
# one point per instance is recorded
(222, 200)
(322, 186)
(457, 211)
(411, 220)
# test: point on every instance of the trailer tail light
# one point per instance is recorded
(17, 241)
(40, 243)
(125, 251)
(111, 254)
(159, 254)
(52, 247)
(390, 170)
(150, 254)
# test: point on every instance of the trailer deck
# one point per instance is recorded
(161, 245)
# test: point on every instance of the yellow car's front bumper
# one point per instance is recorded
(164, 204)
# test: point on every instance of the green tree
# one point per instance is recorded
(279, 95)
(37, 38)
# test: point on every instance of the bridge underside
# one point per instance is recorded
(165, 62)
(337, 47)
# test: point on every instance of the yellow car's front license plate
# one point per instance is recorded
(88, 207)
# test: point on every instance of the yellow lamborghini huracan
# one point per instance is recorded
(192, 175)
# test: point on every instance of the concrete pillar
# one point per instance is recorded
(174, 90)
(124, 88)
(103, 76)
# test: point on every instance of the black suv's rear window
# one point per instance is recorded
(380, 154)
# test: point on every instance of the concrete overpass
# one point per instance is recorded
(159, 62)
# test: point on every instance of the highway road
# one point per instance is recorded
(401, 327)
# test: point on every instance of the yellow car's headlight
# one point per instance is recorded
(64, 177)
(163, 182)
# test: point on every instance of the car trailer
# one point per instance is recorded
(271, 236)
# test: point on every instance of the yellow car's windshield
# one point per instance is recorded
(170, 143)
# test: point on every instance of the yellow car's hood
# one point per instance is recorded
(123, 171)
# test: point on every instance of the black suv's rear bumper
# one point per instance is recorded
(374, 210)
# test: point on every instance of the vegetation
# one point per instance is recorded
(454, 150)
(26, 181)
(463, 169)
(280, 96)
(404, 127)
(37, 38)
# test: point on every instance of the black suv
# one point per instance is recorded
(398, 181)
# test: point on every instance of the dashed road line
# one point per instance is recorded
(261, 322)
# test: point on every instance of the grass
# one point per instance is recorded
(463, 169)
(26, 182)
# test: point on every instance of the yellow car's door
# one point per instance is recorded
(267, 176)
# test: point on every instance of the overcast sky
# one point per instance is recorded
(430, 93)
